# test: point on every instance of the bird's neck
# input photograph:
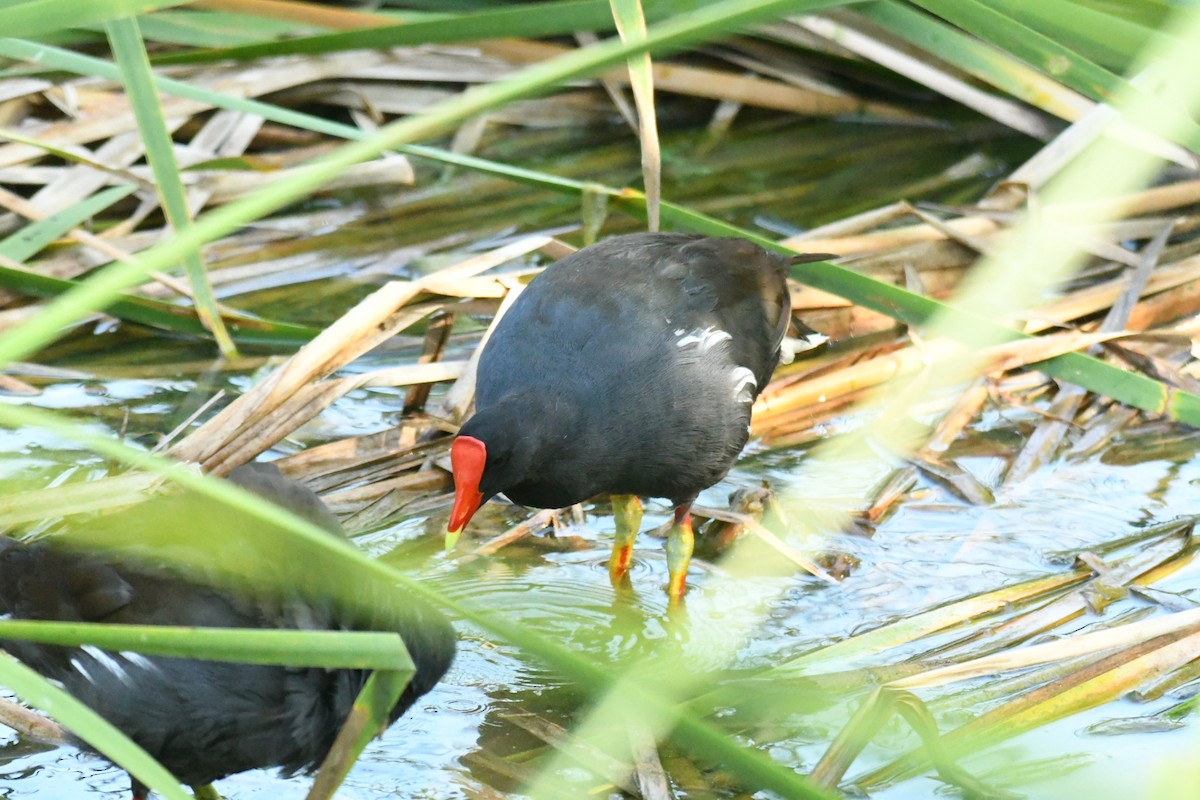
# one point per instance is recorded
(543, 421)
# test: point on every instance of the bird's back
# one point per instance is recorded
(203, 719)
(656, 346)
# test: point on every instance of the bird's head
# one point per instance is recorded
(486, 459)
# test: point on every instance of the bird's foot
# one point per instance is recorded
(618, 564)
(627, 513)
(680, 543)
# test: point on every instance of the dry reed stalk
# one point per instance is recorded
(77, 498)
(1084, 302)
(219, 444)
(15, 386)
(712, 84)
(1148, 201)
(390, 497)
(31, 212)
(308, 401)
(1101, 430)
(1131, 655)
(1083, 132)
(77, 181)
(890, 237)
(31, 725)
(108, 113)
(647, 766)
(1093, 299)
(1048, 437)
(595, 760)
(1072, 605)
(824, 363)
(841, 324)
(380, 489)
(823, 388)
(952, 423)
(670, 77)
(322, 465)
(854, 224)
(308, 13)
(1172, 304)
(1096, 683)
(225, 186)
(841, 655)
(516, 533)
(784, 549)
(422, 481)
(461, 395)
(437, 336)
(565, 109)
(801, 425)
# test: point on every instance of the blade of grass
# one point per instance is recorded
(631, 25)
(304, 648)
(48, 16)
(1064, 64)
(1102, 36)
(1130, 388)
(57, 58)
(74, 157)
(130, 54)
(155, 313)
(350, 577)
(911, 628)
(528, 21)
(210, 29)
(674, 33)
(1150, 13)
(88, 726)
(971, 55)
(1097, 683)
(367, 717)
(1000, 69)
(34, 237)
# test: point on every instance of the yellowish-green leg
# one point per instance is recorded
(627, 511)
(680, 542)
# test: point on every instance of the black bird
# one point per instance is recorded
(627, 368)
(204, 720)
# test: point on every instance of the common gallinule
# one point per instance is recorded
(627, 368)
(204, 720)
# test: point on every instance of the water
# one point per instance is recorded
(933, 550)
(924, 555)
